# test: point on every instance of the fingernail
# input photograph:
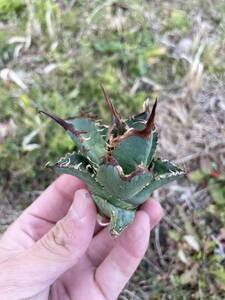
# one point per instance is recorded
(80, 204)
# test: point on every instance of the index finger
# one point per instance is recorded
(46, 210)
(54, 202)
(116, 269)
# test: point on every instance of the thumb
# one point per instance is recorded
(59, 250)
(68, 240)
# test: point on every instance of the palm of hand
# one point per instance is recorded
(46, 259)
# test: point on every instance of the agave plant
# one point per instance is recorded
(117, 162)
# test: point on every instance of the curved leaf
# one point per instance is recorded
(138, 121)
(79, 166)
(91, 144)
(161, 167)
(156, 183)
(119, 218)
(121, 187)
(85, 134)
(135, 150)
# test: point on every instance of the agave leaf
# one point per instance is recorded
(115, 117)
(91, 144)
(135, 150)
(154, 140)
(103, 130)
(85, 134)
(79, 166)
(161, 167)
(119, 218)
(138, 121)
(137, 147)
(156, 183)
(120, 186)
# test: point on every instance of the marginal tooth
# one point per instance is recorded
(47, 164)
(102, 125)
(88, 167)
(139, 122)
(120, 170)
(65, 164)
(100, 129)
(147, 185)
(84, 139)
(130, 128)
(164, 160)
(76, 167)
(88, 158)
(61, 159)
(93, 163)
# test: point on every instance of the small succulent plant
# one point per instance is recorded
(117, 162)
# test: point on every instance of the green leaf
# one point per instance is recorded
(110, 47)
(134, 151)
(161, 167)
(217, 191)
(138, 121)
(154, 140)
(220, 274)
(91, 144)
(121, 187)
(119, 218)
(196, 176)
(85, 134)
(103, 131)
(156, 183)
(77, 165)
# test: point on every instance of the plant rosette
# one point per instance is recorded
(117, 162)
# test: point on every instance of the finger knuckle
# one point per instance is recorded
(62, 239)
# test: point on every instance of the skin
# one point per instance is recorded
(55, 250)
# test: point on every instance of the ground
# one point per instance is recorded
(55, 54)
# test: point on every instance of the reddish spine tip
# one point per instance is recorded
(64, 124)
(149, 125)
(58, 120)
(113, 111)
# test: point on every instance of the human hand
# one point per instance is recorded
(55, 250)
